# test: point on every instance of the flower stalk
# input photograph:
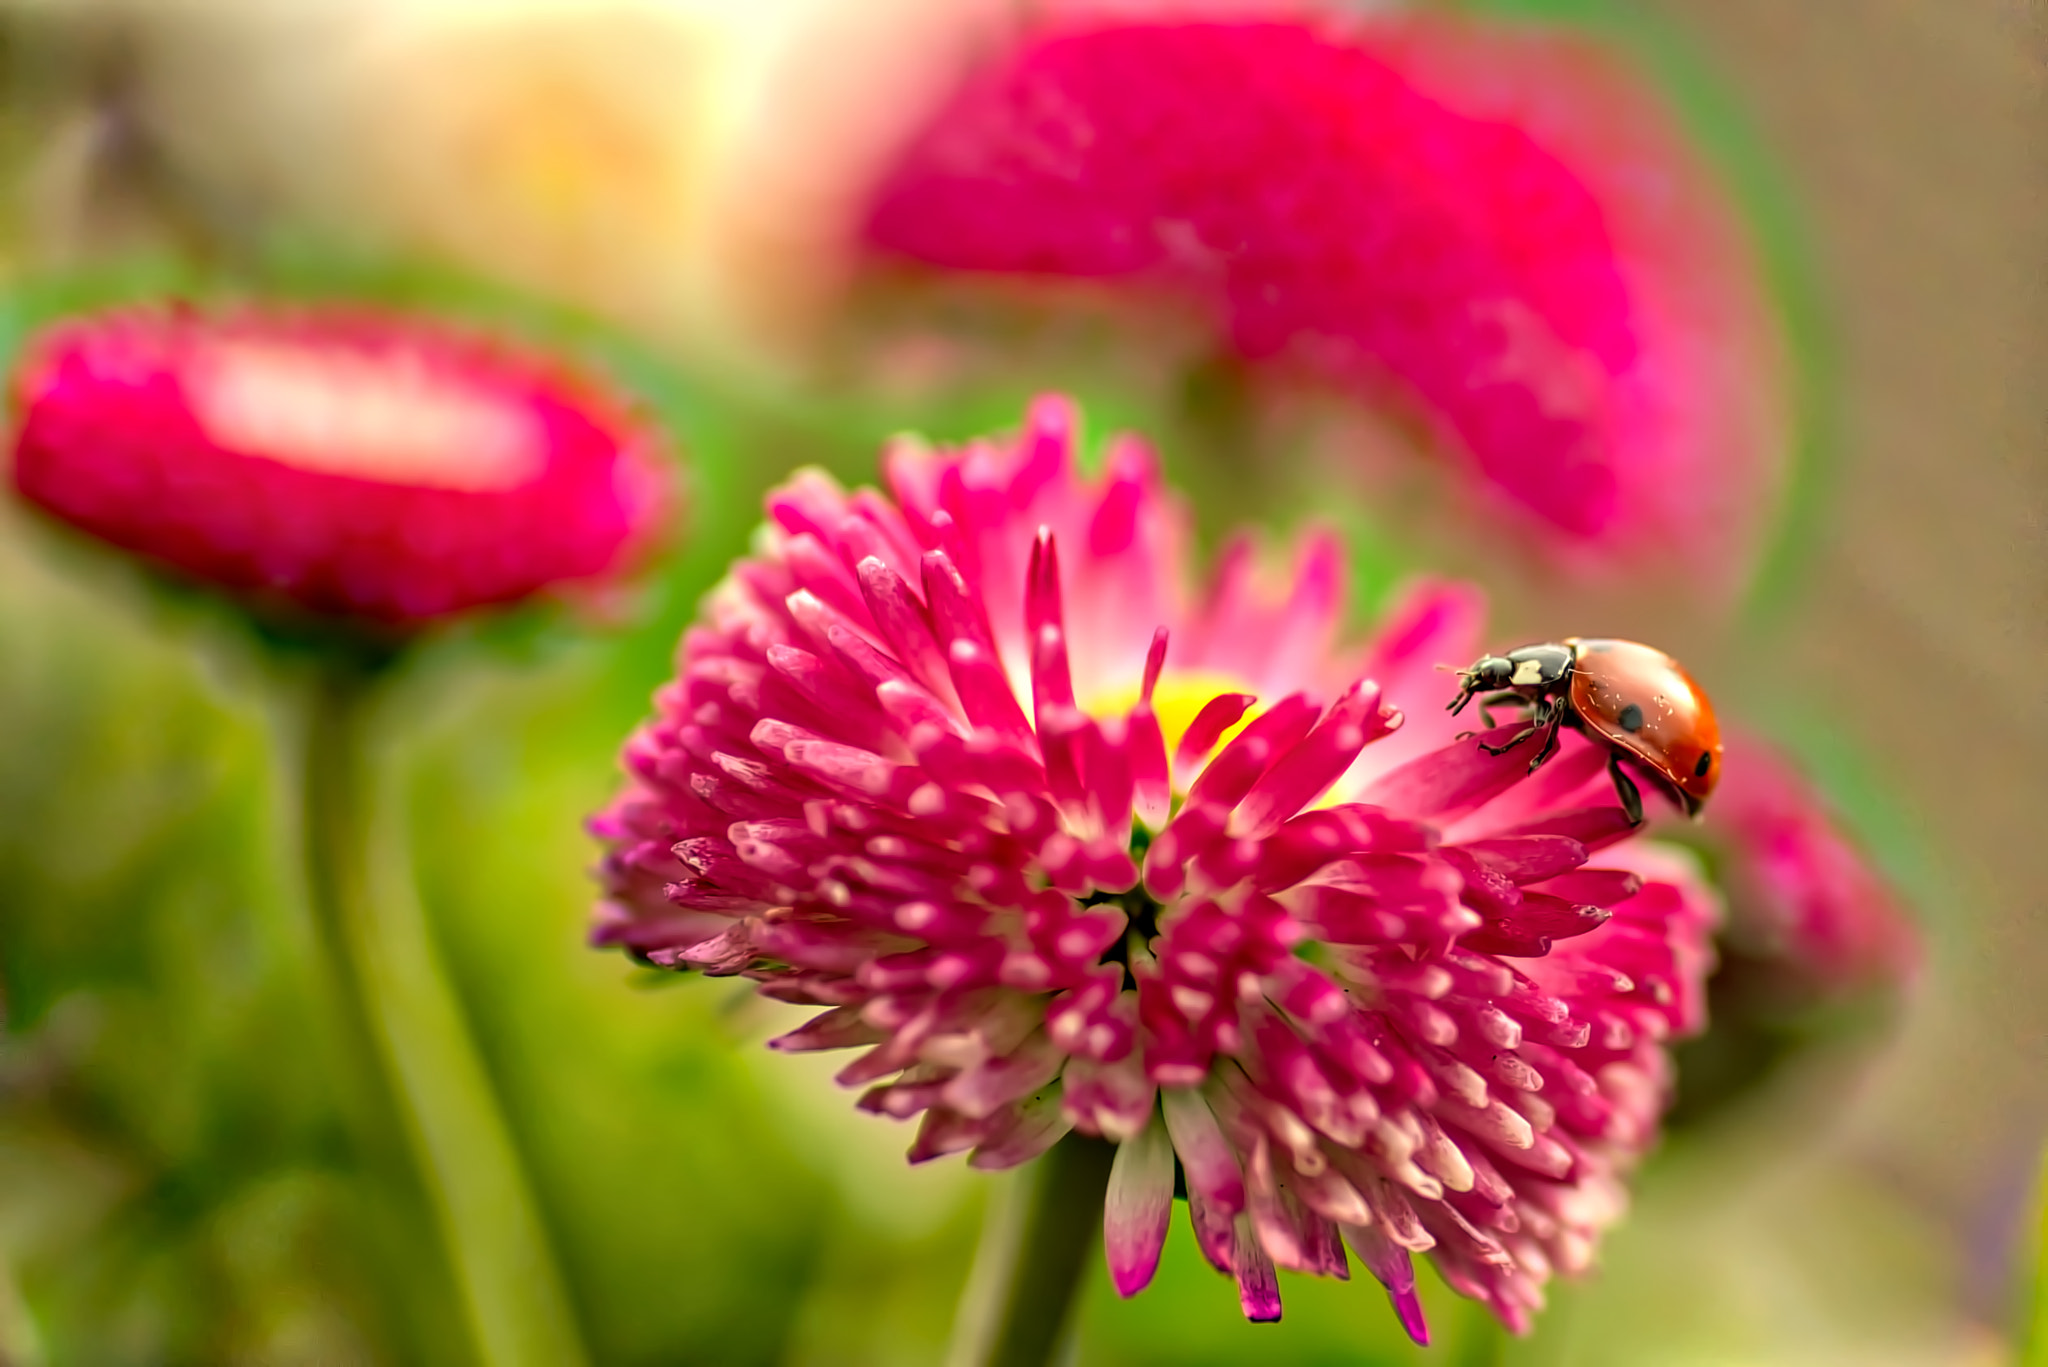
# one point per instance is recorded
(1019, 1302)
(429, 1103)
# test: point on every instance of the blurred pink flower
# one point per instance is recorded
(1062, 846)
(346, 462)
(1801, 895)
(1504, 230)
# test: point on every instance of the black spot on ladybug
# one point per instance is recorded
(1631, 718)
(1700, 770)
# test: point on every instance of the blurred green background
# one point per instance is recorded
(174, 1185)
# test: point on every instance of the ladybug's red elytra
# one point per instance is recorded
(1635, 700)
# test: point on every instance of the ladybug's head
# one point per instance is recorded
(1488, 672)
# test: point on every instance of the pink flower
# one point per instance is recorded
(345, 462)
(1504, 233)
(1059, 844)
(1801, 895)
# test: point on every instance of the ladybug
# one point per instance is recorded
(1637, 701)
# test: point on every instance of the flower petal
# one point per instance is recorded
(1137, 1207)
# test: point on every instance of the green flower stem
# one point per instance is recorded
(1020, 1295)
(425, 1077)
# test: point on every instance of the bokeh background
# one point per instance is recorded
(631, 184)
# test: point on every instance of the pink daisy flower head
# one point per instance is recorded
(340, 461)
(1061, 844)
(1501, 233)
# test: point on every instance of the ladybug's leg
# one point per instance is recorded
(1513, 741)
(1556, 720)
(1538, 719)
(1486, 720)
(1625, 789)
(1487, 705)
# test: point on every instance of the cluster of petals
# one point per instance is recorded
(1500, 231)
(1062, 846)
(342, 461)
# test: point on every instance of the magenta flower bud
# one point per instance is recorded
(1801, 894)
(349, 463)
(1501, 235)
(1062, 843)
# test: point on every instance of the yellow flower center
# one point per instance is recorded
(1178, 699)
